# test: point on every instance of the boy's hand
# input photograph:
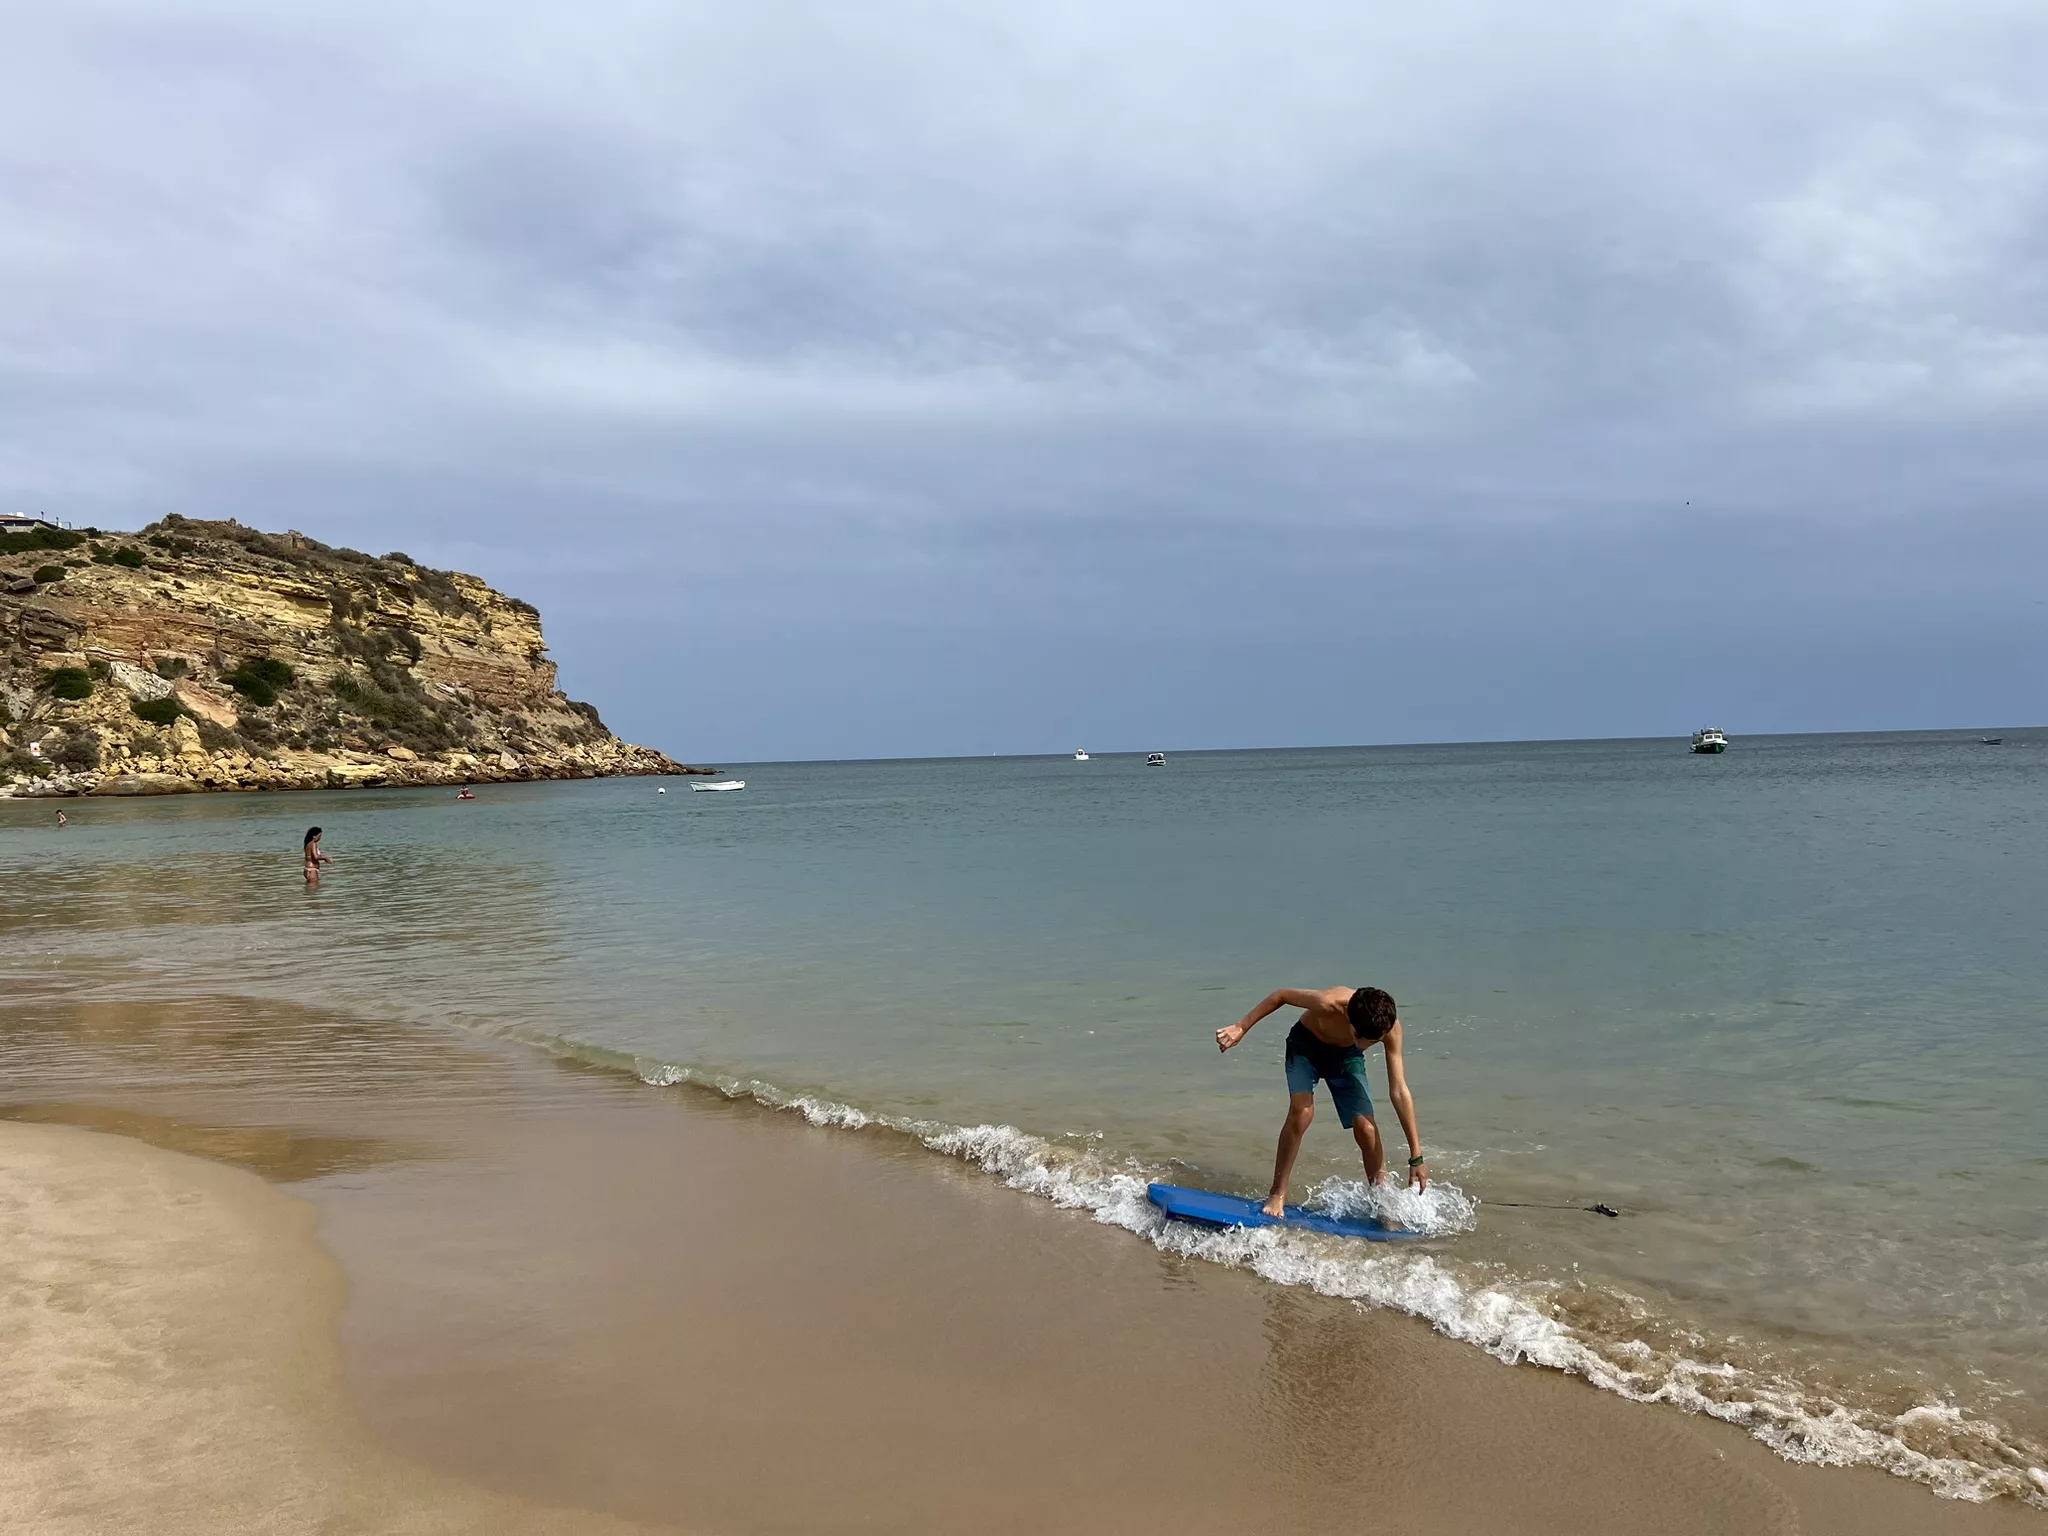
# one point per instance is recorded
(1418, 1177)
(1228, 1036)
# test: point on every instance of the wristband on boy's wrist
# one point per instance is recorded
(1417, 1160)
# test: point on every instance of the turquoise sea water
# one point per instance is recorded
(1782, 1007)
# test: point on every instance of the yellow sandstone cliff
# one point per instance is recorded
(205, 655)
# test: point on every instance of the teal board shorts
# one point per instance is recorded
(1341, 1066)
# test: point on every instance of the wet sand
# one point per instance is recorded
(168, 1360)
(571, 1291)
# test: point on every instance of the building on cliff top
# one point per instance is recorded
(12, 522)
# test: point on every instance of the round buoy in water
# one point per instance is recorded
(661, 789)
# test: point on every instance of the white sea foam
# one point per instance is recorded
(1437, 1211)
(1507, 1319)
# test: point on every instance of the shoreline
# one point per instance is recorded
(364, 774)
(1807, 1419)
(585, 1293)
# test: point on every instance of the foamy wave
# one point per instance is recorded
(831, 1112)
(1939, 1444)
(1438, 1211)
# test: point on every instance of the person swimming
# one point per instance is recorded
(314, 857)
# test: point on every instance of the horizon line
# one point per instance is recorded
(1363, 746)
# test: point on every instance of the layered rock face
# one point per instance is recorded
(205, 655)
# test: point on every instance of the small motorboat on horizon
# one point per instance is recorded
(1709, 738)
(1155, 759)
(1080, 754)
(721, 784)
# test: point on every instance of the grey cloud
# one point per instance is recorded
(918, 316)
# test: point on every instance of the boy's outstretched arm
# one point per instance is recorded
(1286, 997)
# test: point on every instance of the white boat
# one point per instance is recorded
(1155, 759)
(1709, 738)
(721, 784)
(1080, 754)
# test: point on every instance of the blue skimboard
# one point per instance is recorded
(1206, 1208)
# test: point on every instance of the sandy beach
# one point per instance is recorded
(369, 1281)
(169, 1360)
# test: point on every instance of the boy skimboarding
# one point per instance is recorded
(1338, 1025)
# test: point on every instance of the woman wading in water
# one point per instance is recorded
(314, 857)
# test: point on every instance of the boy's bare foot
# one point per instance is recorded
(1275, 1206)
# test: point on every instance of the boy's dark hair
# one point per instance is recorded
(1372, 1013)
(311, 833)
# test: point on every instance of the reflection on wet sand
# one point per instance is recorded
(279, 1154)
(290, 1092)
(168, 1361)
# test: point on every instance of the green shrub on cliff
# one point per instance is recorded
(157, 711)
(66, 683)
(590, 729)
(129, 556)
(39, 538)
(216, 738)
(49, 573)
(441, 593)
(390, 699)
(17, 763)
(375, 647)
(78, 750)
(259, 679)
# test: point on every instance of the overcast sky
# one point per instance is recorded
(897, 379)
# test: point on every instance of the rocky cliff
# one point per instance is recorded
(205, 655)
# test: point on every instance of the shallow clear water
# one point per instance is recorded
(1782, 1007)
